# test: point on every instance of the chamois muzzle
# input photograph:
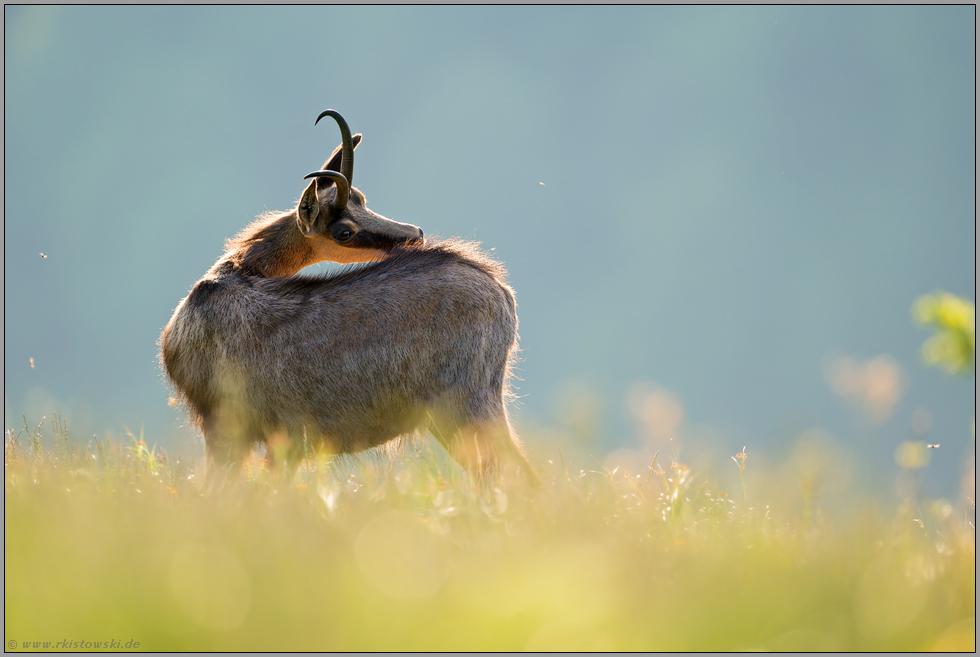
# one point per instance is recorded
(346, 179)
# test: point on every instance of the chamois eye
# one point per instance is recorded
(343, 235)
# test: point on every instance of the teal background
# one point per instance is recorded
(732, 196)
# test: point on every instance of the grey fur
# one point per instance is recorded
(421, 339)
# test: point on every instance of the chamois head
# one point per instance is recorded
(333, 214)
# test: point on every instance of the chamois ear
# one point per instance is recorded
(333, 162)
(308, 209)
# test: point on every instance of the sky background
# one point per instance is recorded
(739, 205)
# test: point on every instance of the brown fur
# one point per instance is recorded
(422, 338)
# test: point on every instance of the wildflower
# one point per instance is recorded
(652, 464)
(740, 458)
(740, 462)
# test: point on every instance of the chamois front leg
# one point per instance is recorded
(283, 454)
(226, 446)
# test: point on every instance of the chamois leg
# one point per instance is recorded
(283, 454)
(504, 448)
(460, 441)
(485, 449)
(226, 450)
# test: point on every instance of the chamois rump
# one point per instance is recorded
(422, 338)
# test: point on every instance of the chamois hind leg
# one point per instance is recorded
(505, 449)
(484, 448)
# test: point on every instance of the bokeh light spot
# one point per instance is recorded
(210, 585)
(401, 558)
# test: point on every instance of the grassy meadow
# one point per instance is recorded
(114, 542)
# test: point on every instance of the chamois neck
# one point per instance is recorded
(271, 246)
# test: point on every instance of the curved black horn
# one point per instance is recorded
(347, 153)
(343, 187)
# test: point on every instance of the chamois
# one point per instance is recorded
(421, 338)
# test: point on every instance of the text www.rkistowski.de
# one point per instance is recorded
(68, 644)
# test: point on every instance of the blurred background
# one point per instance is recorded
(717, 220)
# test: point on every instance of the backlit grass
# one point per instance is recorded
(396, 550)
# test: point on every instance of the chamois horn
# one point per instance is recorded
(343, 187)
(346, 161)
(347, 154)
